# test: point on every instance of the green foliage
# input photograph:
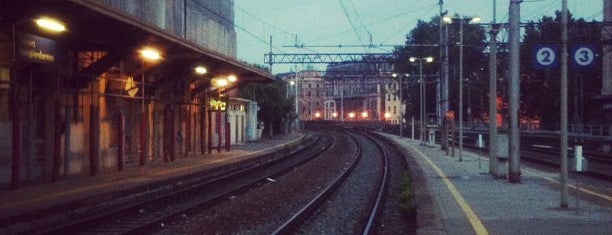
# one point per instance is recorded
(407, 198)
(428, 33)
(275, 108)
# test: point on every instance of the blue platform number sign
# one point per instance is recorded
(545, 57)
(583, 56)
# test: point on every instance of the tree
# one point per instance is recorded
(427, 33)
(275, 108)
(540, 88)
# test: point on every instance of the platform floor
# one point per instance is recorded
(41, 196)
(460, 197)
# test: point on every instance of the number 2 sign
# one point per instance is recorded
(545, 57)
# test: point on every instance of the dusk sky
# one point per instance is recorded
(326, 22)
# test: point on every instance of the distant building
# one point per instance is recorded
(311, 93)
(359, 91)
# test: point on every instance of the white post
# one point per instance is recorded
(579, 158)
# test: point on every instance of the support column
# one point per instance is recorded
(57, 139)
(563, 112)
(67, 137)
(120, 141)
(94, 161)
(219, 138)
(143, 130)
(172, 139)
(166, 134)
(202, 128)
(228, 133)
(514, 171)
(16, 145)
(188, 131)
(209, 128)
(493, 163)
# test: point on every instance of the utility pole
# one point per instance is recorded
(493, 164)
(514, 174)
(270, 55)
(444, 82)
(461, 89)
(439, 87)
(564, 191)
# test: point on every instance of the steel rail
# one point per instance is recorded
(293, 222)
(382, 187)
(145, 220)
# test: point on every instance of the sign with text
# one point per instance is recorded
(37, 49)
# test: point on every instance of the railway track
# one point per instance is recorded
(261, 199)
(545, 153)
(149, 215)
(321, 212)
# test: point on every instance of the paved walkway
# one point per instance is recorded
(461, 198)
(46, 195)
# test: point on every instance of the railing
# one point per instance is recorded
(578, 129)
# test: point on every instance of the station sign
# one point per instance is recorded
(545, 57)
(37, 49)
(583, 56)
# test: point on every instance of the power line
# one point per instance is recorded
(348, 17)
(222, 17)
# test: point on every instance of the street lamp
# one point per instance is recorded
(51, 24)
(461, 20)
(222, 83)
(422, 94)
(152, 55)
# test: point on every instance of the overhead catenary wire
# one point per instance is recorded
(222, 17)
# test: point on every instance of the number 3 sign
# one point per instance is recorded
(583, 56)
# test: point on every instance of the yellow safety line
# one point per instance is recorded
(609, 198)
(477, 225)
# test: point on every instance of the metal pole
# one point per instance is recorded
(461, 89)
(342, 100)
(443, 83)
(514, 174)
(142, 124)
(445, 90)
(493, 164)
(439, 85)
(67, 139)
(423, 132)
(296, 97)
(401, 118)
(120, 141)
(564, 190)
(421, 101)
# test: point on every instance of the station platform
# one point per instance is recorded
(31, 201)
(460, 197)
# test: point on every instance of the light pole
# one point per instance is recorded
(147, 54)
(401, 98)
(221, 84)
(423, 108)
(461, 20)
